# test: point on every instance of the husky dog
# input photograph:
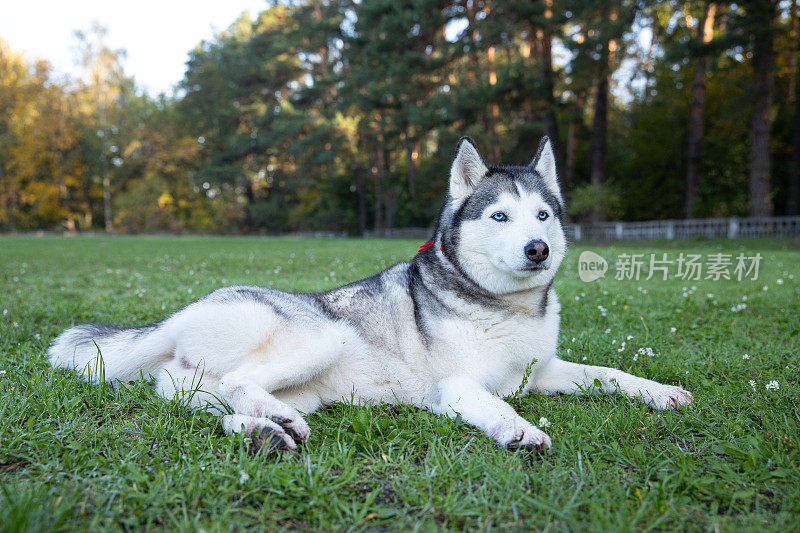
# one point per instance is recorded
(472, 318)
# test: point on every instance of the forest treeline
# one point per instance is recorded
(343, 115)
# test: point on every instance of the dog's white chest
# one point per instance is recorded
(496, 351)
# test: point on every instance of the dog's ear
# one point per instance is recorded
(468, 169)
(544, 162)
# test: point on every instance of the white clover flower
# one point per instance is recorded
(607, 331)
(744, 298)
(752, 384)
(629, 337)
(745, 357)
(2, 372)
(5, 312)
(779, 281)
(773, 385)
(635, 357)
(584, 358)
(243, 477)
(544, 423)
(573, 339)
(673, 330)
(765, 288)
(710, 295)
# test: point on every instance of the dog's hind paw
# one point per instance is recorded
(262, 432)
(668, 397)
(295, 426)
(271, 441)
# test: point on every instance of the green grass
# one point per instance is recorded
(77, 457)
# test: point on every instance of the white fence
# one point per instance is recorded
(710, 228)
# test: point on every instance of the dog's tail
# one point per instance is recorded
(110, 353)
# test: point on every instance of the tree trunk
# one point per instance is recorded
(793, 203)
(106, 196)
(550, 115)
(696, 113)
(762, 95)
(8, 214)
(794, 30)
(575, 120)
(361, 189)
(377, 174)
(597, 154)
(250, 195)
(388, 197)
(409, 148)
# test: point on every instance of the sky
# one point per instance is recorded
(157, 35)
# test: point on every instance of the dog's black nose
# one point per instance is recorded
(537, 251)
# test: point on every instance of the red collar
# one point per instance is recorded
(429, 245)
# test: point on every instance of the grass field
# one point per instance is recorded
(80, 457)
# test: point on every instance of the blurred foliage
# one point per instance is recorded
(342, 116)
(588, 196)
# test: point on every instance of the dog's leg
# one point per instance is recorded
(490, 414)
(573, 378)
(257, 413)
(179, 379)
(248, 389)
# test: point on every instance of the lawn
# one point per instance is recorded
(80, 457)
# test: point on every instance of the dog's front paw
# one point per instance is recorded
(520, 434)
(668, 397)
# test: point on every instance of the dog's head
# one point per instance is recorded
(505, 223)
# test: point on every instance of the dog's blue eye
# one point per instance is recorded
(543, 215)
(500, 217)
